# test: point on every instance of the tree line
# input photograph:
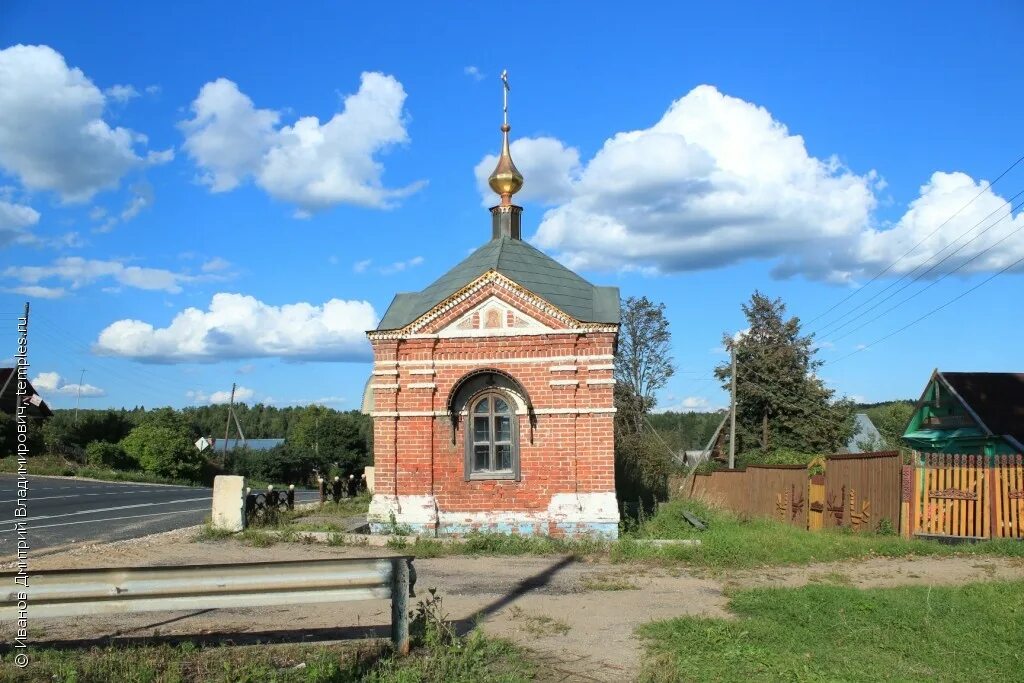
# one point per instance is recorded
(162, 441)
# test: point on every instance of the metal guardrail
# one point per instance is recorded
(84, 592)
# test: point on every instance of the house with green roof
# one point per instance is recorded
(969, 413)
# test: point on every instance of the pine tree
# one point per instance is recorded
(781, 402)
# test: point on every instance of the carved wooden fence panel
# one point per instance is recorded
(856, 491)
(862, 489)
(967, 496)
(779, 492)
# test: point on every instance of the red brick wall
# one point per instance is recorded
(568, 453)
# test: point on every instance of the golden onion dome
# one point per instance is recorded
(506, 179)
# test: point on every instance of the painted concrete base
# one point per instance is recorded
(228, 503)
(569, 514)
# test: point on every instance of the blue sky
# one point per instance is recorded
(283, 171)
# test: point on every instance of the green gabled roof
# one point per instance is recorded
(525, 265)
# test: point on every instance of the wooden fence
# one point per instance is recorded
(856, 491)
(965, 496)
(776, 491)
(866, 486)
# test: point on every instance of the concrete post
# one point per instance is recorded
(228, 503)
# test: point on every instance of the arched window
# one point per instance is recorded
(492, 438)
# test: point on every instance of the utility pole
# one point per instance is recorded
(78, 401)
(732, 410)
(227, 425)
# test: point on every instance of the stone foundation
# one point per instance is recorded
(567, 514)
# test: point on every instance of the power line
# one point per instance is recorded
(829, 324)
(933, 311)
(931, 284)
(921, 276)
(913, 248)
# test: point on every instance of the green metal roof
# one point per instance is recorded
(525, 265)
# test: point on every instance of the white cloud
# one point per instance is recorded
(399, 266)
(142, 197)
(216, 264)
(15, 220)
(242, 394)
(227, 136)
(52, 132)
(310, 164)
(51, 383)
(239, 326)
(474, 73)
(978, 239)
(38, 292)
(361, 266)
(78, 272)
(718, 180)
(121, 93)
(688, 404)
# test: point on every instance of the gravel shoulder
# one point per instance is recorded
(579, 617)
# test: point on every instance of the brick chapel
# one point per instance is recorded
(492, 393)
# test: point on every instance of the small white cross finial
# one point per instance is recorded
(505, 89)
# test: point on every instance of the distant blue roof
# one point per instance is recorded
(864, 432)
(251, 444)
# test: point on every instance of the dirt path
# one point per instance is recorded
(579, 617)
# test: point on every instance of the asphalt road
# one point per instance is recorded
(63, 511)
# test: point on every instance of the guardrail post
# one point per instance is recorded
(291, 496)
(400, 604)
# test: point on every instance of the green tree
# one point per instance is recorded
(781, 402)
(643, 360)
(108, 455)
(163, 445)
(323, 437)
(643, 365)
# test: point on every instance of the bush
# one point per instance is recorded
(165, 450)
(279, 464)
(778, 456)
(642, 468)
(109, 455)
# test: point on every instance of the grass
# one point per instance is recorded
(56, 466)
(476, 658)
(479, 543)
(836, 633)
(731, 542)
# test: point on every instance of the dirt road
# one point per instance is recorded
(579, 617)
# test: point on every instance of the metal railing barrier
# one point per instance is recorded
(84, 592)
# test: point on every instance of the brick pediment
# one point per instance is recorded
(491, 305)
